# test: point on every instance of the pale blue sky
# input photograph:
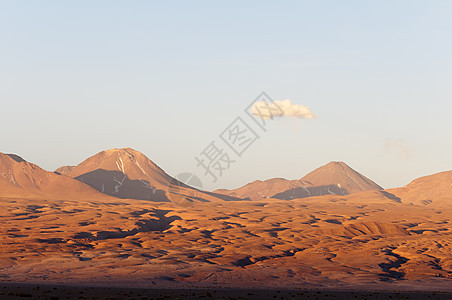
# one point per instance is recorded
(166, 77)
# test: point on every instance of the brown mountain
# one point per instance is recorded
(334, 178)
(129, 174)
(258, 189)
(19, 178)
(64, 170)
(123, 173)
(436, 189)
(342, 176)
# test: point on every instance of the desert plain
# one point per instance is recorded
(383, 240)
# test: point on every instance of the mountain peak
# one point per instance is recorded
(340, 174)
(336, 164)
(123, 173)
(121, 150)
(124, 160)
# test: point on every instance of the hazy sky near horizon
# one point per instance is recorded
(167, 77)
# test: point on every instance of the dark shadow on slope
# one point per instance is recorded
(182, 193)
(391, 196)
(16, 157)
(226, 197)
(304, 192)
(189, 196)
(143, 225)
(117, 184)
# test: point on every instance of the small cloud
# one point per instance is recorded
(279, 109)
(399, 148)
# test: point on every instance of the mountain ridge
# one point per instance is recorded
(335, 178)
(129, 174)
(19, 178)
(124, 173)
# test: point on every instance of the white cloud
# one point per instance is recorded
(285, 108)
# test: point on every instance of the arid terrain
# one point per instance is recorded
(399, 239)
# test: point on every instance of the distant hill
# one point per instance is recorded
(334, 178)
(258, 189)
(19, 178)
(64, 170)
(436, 188)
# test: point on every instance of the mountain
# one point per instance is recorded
(128, 174)
(334, 178)
(341, 175)
(436, 189)
(258, 189)
(19, 178)
(64, 170)
(123, 173)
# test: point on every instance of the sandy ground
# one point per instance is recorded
(317, 243)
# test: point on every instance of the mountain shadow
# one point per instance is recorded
(117, 184)
(226, 197)
(304, 192)
(16, 157)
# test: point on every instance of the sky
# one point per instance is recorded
(168, 77)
